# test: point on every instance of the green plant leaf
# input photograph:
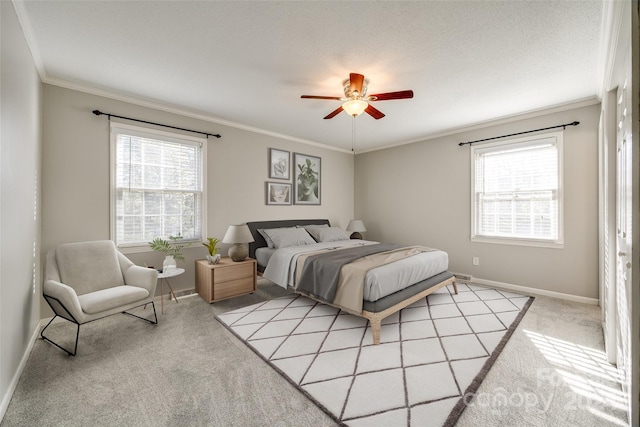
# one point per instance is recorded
(172, 248)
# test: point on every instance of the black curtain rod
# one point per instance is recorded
(520, 133)
(100, 113)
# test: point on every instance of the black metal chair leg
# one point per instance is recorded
(155, 315)
(75, 349)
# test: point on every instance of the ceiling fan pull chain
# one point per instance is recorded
(353, 134)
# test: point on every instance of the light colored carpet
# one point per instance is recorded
(190, 370)
(552, 372)
(429, 355)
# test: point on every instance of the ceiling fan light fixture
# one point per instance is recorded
(356, 101)
(355, 107)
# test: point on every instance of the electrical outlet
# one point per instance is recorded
(476, 260)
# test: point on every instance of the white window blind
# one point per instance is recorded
(157, 186)
(517, 190)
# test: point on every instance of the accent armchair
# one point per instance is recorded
(87, 281)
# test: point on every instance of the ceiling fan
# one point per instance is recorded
(355, 99)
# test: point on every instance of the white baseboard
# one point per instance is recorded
(16, 377)
(536, 291)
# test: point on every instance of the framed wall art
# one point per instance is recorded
(279, 164)
(277, 193)
(307, 179)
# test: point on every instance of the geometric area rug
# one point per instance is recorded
(431, 359)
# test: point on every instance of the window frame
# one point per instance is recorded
(539, 139)
(123, 128)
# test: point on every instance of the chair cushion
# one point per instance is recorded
(89, 266)
(106, 299)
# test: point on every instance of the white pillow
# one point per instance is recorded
(285, 237)
(328, 234)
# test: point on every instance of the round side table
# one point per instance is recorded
(164, 278)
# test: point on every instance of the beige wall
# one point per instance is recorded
(420, 193)
(20, 145)
(75, 174)
(416, 193)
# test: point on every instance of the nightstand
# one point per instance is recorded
(227, 279)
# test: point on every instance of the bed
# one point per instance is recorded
(375, 279)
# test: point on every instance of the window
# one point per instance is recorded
(157, 185)
(517, 191)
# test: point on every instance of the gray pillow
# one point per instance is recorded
(285, 237)
(266, 238)
(312, 225)
(328, 234)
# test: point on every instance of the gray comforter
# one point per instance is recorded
(321, 272)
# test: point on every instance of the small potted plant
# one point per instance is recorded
(214, 256)
(171, 248)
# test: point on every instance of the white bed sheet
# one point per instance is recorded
(387, 279)
(379, 282)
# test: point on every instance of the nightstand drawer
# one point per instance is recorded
(232, 288)
(239, 271)
(227, 279)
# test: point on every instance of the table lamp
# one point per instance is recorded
(238, 235)
(356, 226)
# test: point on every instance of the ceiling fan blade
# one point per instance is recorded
(334, 113)
(320, 97)
(355, 82)
(373, 112)
(403, 94)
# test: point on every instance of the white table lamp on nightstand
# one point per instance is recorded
(356, 226)
(238, 235)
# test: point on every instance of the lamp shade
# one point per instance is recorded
(238, 234)
(355, 107)
(356, 225)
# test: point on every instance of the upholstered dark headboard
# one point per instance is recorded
(259, 241)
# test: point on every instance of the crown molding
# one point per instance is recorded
(168, 108)
(612, 19)
(29, 35)
(27, 29)
(610, 26)
(585, 102)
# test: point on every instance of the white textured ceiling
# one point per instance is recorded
(247, 63)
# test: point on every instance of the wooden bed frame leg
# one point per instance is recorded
(455, 287)
(375, 330)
